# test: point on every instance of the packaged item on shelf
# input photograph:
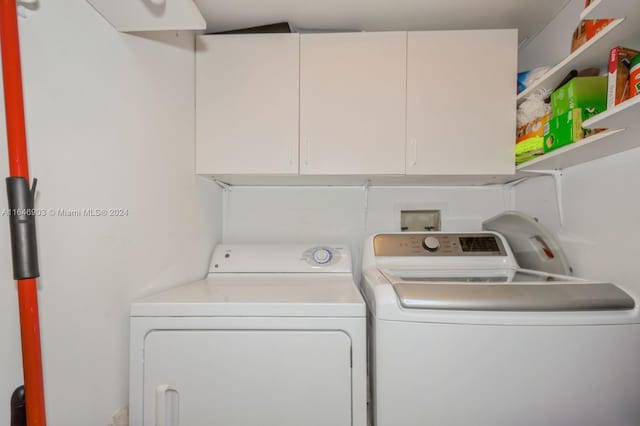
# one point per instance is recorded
(586, 31)
(619, 67)
(580, 92)
(567, 128)
(529, 149)
(530, 139)
(634, 77)
(530, 77)
(532, 107)
(532, 129)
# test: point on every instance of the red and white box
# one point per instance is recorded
(619, 67)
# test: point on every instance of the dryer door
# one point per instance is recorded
(247, 378)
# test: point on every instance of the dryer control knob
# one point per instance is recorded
(431, 244)
(322, 256)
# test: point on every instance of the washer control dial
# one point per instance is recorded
(431, 244)
(322, 255)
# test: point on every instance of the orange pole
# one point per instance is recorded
(31, 354)
(19, 166)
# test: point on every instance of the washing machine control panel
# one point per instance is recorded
(321, 256)
(438, 244)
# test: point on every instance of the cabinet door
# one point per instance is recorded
(247, 378)
(247, 91)
(461, 102)
(352, 103)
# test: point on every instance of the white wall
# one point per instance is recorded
(601, 216)
(110, 125)
(553, 43)
(338, 214)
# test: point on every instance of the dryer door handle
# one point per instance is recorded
(162, 396)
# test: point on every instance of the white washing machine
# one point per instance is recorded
(275, 335)
(461, 336)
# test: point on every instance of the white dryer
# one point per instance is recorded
(460, 336)
(275, 335)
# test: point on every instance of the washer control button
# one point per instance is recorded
(431, 244)
(322, 255)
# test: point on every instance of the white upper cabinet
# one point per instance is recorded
(247, 92)
(439, 103)
(352, 103)
(461, 102)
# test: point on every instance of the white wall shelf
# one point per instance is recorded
(603, 9)
(624, 133)
(600, 145)
(622, 116)
(595, 52)
(150, 15)
(625, 114)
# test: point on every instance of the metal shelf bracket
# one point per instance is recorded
(222, 184)
(557, 181)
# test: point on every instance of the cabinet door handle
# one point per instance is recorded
(161, 406)
(307, 159)
(414, 160)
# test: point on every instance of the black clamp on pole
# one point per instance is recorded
(22, 220)
(18, 408)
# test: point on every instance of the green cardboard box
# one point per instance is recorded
(580, 92)
(567, 128)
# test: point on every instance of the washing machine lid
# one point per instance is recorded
(503, 290)
(532, 244)
(268, 295)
